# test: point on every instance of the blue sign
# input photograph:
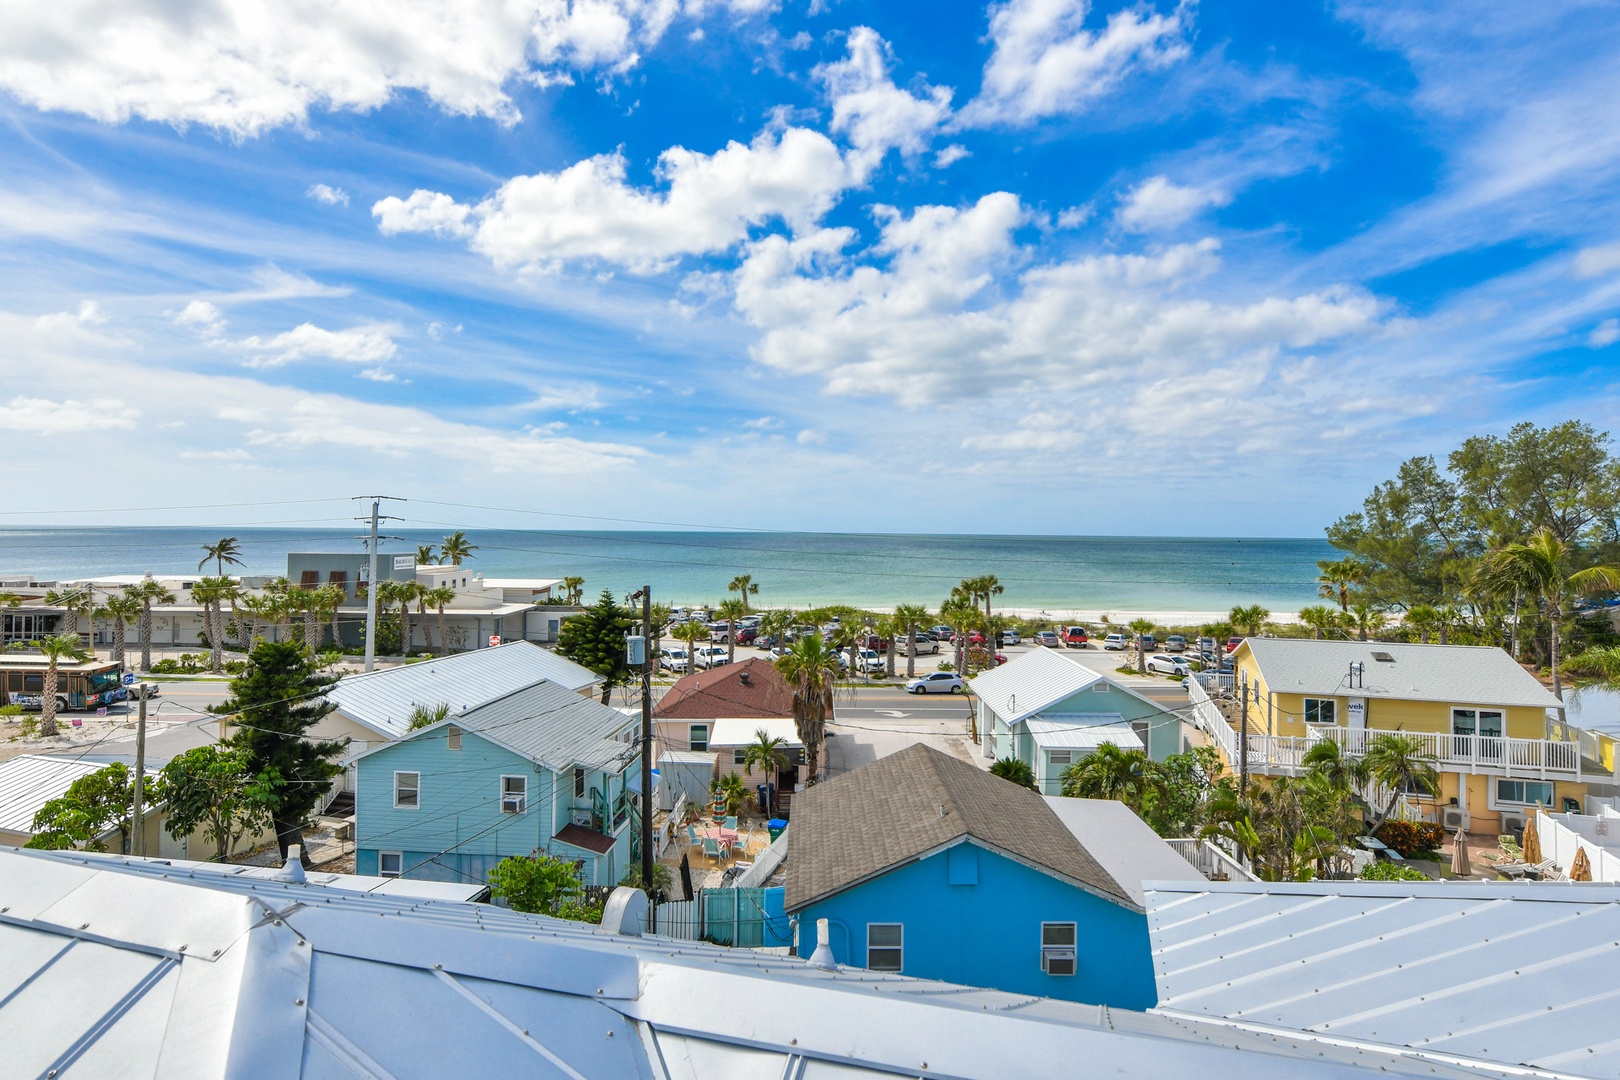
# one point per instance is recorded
(129, 678)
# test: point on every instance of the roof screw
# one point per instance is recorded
(216, 952)
(298, 1001)
(610, 1034)
(793, 1042)
(182, 948)
(440, 967)
(84, 926)
(598, 989)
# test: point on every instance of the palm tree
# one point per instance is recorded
(123, 612)
(692, 631)
(55, 649)
(982, 588)
(1109, 773)
(910, 617)
(767, 751)
(1248, 621)
(1424, 619)
(1320, 619)
(425, 555)
(424, 716)
(147, 593)
(327, 599)
(1539, 566)
(811, 669)
(1337, 578)
(455, 548)
(743, 585)
(1016, 770)
(730, 610)
(210, 593)
(1400, 763)
(438, 598)
(222, 554)
(962, 615)
(1337, 769)
(72, 600)
(1141, 628)
(575, 589)
(1367, 619)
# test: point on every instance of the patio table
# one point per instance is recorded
(729, 836)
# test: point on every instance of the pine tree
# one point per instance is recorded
(274, 704)
(595, 639)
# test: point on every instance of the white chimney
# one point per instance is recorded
(293, 869)
(823, 956)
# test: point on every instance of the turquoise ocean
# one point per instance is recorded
(794, 569)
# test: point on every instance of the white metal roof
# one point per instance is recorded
(1079, 734)
(32, 780)
(1029, 683)
(1523, 975)
(741, 732)
(685, 757)
(383, 700)
(396, 886)
(1465, 674)
(115, 970)
(1122, 843)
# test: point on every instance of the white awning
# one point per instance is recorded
(1057, 735)
(741, 732)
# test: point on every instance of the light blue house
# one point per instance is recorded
(1049, 710)
(926, 865)
(540, 769)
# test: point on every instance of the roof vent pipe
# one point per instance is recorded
(293, 869)
(823, 956)
(743, 676)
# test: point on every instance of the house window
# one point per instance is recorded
(579, 783)
(514, 794)
(737, 756)
(1100, 688)
(1060, 757)
(407, 791)
(1058, 948)
(697, 737)
(309, 579)
(1486, 722)
(1525, 792)
(338, 577)
(885, 950)
(1321, 711)
(388, 863)
(452, 737)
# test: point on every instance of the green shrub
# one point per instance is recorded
(1413, 839)
(538, 883)
(1019, 772)
(579, 911)
(1388, 871)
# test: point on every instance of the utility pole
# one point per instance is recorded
(646, 760)
(371, 583)
(137, 830)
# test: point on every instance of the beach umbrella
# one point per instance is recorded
(1581, 868)
(1459, 855)
(1532, 842)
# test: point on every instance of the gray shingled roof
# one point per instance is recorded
(1465, 674)
(553, 726)
(900, 807)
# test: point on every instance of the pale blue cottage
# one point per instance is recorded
(1049, 710)
(924, 864)
(539, 769)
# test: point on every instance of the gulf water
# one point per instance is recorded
(794, 569)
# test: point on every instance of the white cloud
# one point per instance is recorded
(1074, 216)
(41, 416)
(244, 66)
(331, 196)
(204, 316)
(1159, 203)
(871, 111)
(589, 211)
(361, 345)
(811, 437)
(950, 155)
(377, 374)
(1606, 333)
(1595, 261)
(762, 423)
(1046, 63)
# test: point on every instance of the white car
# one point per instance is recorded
(674, 660)
(870, 660)
(1116, 642)
(1165, 664)
(940, 682)
(1010, 637)
(710, 656)
(926, 646)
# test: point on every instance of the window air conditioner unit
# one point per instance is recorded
(1513, 822)
(1453, 818)
(1058, 959)
(512, 804)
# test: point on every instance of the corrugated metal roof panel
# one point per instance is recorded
(554, 726)
(1029, 683)
(383, 700)
(30, 781)
(1524, 975)
(1077, 734)
(1463, 674)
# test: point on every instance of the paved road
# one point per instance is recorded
(869, 723)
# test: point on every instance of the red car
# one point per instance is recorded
(1075, 637)
(976, 638)
(1232, 643)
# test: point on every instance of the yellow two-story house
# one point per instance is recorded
(1491, 726)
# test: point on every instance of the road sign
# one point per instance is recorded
(494, 640)
(77, 722)
(102, 711)
(129, 678)
(404, 562)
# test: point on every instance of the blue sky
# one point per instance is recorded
(1038, 266)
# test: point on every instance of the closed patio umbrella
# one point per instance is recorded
(1459, 855)
(1532, 843)
(1581, 868)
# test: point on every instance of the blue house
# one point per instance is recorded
(924, 864)
(540, 769)
(1049, 710)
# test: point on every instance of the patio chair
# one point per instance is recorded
(731, 823)
(712, 847)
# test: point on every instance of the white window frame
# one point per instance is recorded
(899, 949)
(1060, 953)
(521, 799)
(1099, 687)
(1496, 797)
(737, 756)
(418, 788)
(399, 868)
(1067, 758)
(1333, 707)
(692, 738)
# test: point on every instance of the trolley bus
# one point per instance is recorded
(79, 686)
